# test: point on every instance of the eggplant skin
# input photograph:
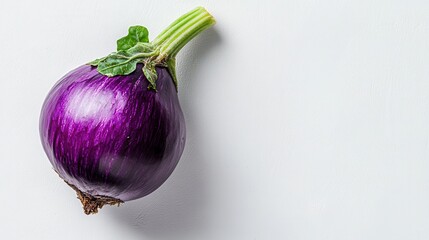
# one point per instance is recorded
(112, 136)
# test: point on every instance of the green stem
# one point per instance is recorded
(173, 26)
(184, 29)
(162, 51)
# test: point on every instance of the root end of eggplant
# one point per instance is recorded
(91, 204)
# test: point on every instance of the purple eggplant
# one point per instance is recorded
(113, 129)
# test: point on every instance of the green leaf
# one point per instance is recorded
(96, 61)
(135, 35)
(117, 64)
(150, 73)
(141, 48)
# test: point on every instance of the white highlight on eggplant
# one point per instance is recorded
(85, 104)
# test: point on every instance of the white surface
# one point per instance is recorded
(306, 120)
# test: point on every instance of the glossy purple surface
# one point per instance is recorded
(112, 136)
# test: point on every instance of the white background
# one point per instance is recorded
(306, 120)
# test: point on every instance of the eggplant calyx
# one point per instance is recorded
(135, 47)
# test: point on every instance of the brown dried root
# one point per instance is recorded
(91, 204)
